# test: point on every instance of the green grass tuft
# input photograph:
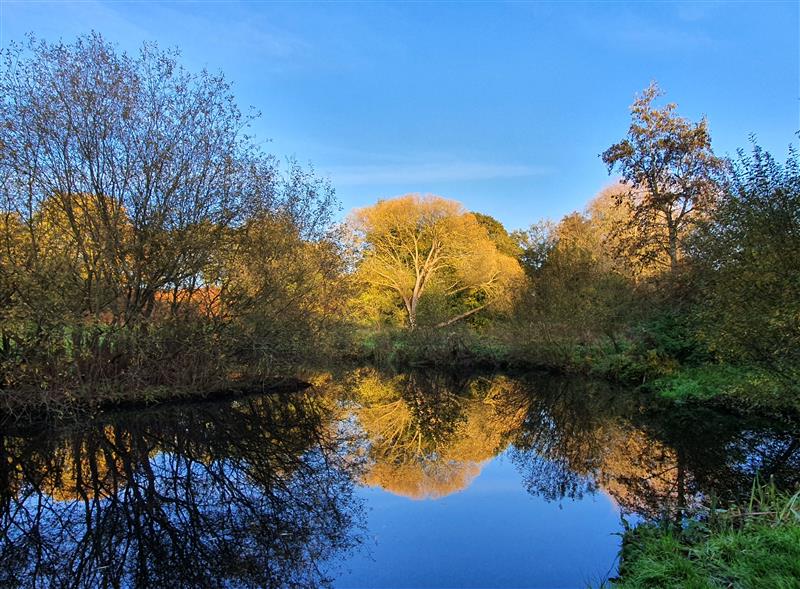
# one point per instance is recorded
(748, 547)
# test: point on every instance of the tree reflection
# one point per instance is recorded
(584, 436)
(430, 433)
(253, 493)
(259, 492)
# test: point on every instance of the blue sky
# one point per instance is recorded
(503, 106)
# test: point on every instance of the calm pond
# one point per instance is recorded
(367, 480)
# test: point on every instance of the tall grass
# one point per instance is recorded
(750, 545)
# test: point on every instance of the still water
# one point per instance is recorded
(367, 480)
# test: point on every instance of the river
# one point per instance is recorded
(369, 479)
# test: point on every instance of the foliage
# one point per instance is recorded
(747, 256)
(589, 305)
(670, 169)
(580, 293)
(435, 261)
(453, 347)
(723, 322)
(147, 243)
(502, 240)
(141, 224)
(535, 243)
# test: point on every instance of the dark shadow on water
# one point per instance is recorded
(584, 436)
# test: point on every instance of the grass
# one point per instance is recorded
(746, 388)
(756, 545)
(458, 347)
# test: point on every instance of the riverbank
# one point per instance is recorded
(752, 545)
(32, 406)
(739, 388)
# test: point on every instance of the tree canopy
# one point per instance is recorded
(424, 248)
(133, 199)
(672, 173)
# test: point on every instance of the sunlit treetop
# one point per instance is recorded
(419, 248)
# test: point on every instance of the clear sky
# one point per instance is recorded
(503, 106)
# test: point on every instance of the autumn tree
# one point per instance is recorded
(414, 247)
(671, 170)
(578, 290)
(274, 275)
(134, 165)
(142, 224)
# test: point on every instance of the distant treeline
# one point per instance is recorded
(148, 244)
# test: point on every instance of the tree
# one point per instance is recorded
(668, 163)
(535, 243)
(142, 224)
(99, 142)
(615, 230)
(747, 263)
(577, 290)
(413, 246)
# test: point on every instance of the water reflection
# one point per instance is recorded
(430, 434)
(253, 493)
(264, 491)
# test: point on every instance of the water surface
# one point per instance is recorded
(367, 480)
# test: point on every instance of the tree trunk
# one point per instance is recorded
(673, 247)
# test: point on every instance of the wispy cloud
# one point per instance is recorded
(676, 33)
(663, 37)
(194, 28)
(415, 174)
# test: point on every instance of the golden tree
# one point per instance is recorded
(668, 163)
(413, 246)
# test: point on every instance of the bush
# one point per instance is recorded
(444, 348)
